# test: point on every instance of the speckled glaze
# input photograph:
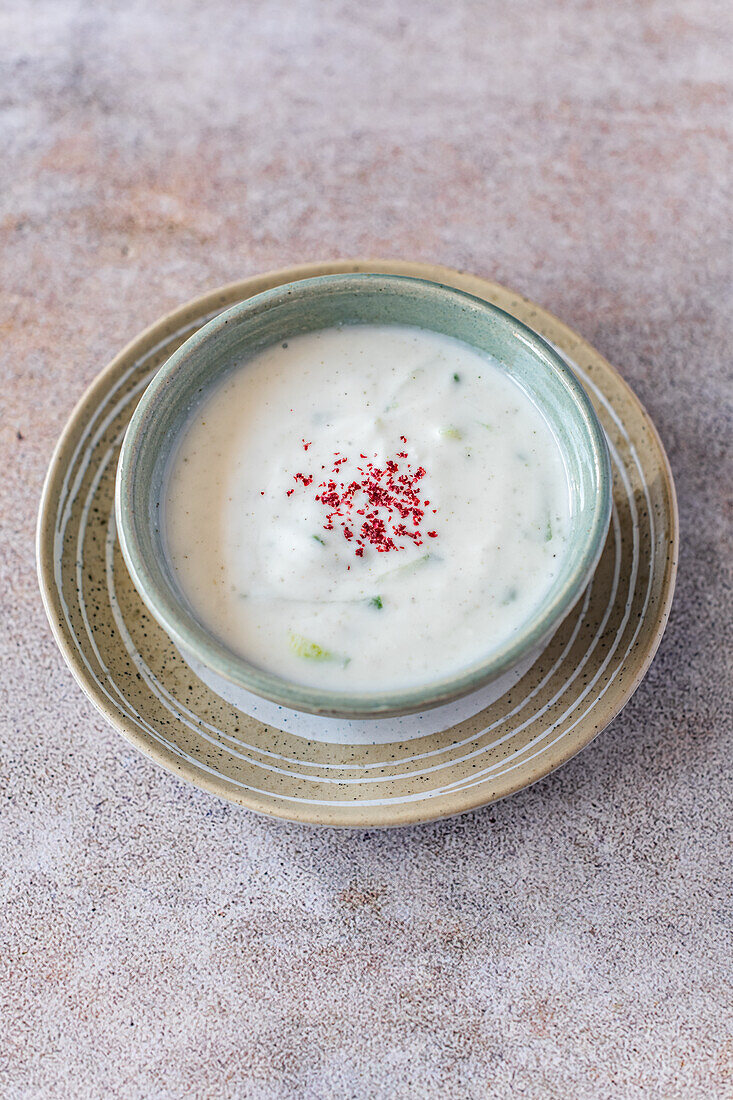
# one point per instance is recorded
(131, 670)
(305, 306)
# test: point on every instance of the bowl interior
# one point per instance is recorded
(311, 304)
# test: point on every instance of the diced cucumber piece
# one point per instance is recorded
(408, 566)
(312, 651)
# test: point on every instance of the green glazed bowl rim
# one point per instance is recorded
(193, 637)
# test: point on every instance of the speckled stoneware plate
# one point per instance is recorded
(327, 771)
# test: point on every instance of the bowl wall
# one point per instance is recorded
(311, 304)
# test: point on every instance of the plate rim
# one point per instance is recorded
(270, 804)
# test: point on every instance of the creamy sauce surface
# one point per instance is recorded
(366, 508)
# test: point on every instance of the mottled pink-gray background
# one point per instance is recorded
(571, 942)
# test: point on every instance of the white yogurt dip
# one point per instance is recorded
(367, 508)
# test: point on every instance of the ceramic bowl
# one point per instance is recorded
(305, 306)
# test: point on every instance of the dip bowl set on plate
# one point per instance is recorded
(359, 543)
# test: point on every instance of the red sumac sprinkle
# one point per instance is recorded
(383, 497)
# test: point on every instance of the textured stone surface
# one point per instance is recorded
(574, 941)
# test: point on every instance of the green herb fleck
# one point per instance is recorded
(450, 433)
(319, 539)
(456, 377)
(548, 530)
(376, 601)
